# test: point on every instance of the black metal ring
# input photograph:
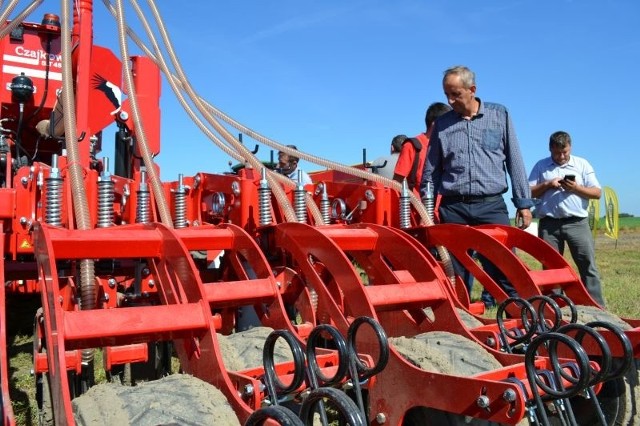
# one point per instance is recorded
(273, 383)
(529, 322)
(365, 372)
(605, 353)
(544, 301)
(627, 349)
(567, 302)
(582, 361)
(315, 373)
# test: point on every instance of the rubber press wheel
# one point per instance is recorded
(446, 353)
(176, 399)
(247, 347)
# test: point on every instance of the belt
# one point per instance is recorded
(563, 219)
(471, 199)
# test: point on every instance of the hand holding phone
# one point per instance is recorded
(570, 178)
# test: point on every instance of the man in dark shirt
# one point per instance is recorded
(471, 150)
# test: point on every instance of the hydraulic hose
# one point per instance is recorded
(88, 287)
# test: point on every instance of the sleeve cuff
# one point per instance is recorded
(523, 203)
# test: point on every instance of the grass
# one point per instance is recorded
(618, 262)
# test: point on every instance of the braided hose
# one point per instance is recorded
(239, 151)
(278, 192)
(141, 138)
(186, 86)
(88, 287)
(174, 81)
(363, 174)
(18, 19)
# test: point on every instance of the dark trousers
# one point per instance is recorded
(576, 233)
(479, 213)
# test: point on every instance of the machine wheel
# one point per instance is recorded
(619, 398)
(248, 345)
(591, 313)
(467, 319)
(176, 399)
(446, 353)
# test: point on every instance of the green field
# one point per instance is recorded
(626, 223)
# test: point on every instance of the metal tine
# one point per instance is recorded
(314, 374)
(357, 369)
(551, 340)
(272, 382)
(529, 319)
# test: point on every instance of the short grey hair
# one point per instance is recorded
(467, 77)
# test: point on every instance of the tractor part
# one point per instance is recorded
(181, 297)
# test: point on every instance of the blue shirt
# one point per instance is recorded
(558, 203)
(473, 157)
(306, 179)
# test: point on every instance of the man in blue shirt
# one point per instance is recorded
(288, 166)
(472, 148)
(564, 184)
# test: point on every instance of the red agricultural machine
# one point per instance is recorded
(247, 297)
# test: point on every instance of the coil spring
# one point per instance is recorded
(264, 198)
(405, 211)
(313, 295)
(105, 203)
(53, 194)
(300, 204)
(429, 204)
(180, 213)
(325, 210)
(143, 214)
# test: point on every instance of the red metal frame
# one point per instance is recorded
(7, 410)
(396, 300)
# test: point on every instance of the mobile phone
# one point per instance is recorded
(571, 178)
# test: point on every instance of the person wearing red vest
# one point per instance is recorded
(414, 150)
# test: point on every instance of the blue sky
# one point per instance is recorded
(334, 77)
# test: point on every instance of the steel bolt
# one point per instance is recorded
(248, 390)
(112, 282)
(24, 180)
(483, 401)
(381, 418)
(106, 297)
(491, 342)
(509, 395)
(152, 283)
